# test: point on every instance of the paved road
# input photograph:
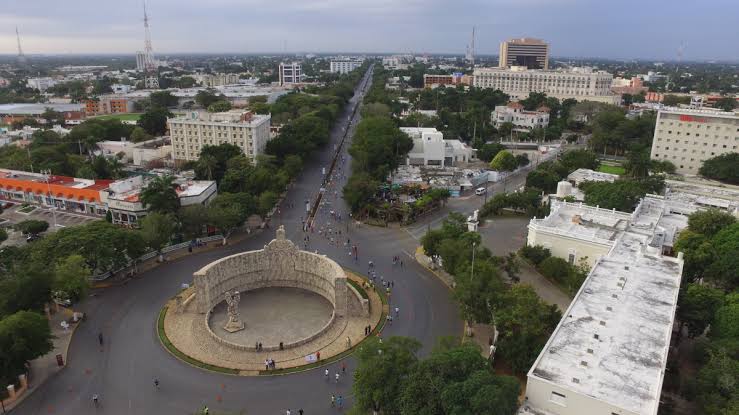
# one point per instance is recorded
(122, 371)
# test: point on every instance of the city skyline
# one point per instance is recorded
(573, 28)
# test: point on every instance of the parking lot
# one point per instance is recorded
(13, 215)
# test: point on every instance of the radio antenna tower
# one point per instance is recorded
(471, 49)
(21, 56)
(151, 80)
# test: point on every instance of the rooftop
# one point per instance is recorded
(37, 109)
(587, 175)
(612, 342)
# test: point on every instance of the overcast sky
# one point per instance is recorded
(651, 29)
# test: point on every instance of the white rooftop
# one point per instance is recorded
(587, 175)
(613, 340)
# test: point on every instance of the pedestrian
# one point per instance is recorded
(266, 364)
(401, 263)
(397, 312)
(343, 368)
(100, 338)
(333, 400)
(260, 346)
(337, 377)
(288, 412)
(340, 401)
(300, 411)
(325, 374)
(392, 284)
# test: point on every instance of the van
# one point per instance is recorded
(480, 191)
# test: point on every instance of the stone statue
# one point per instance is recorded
(234, 323)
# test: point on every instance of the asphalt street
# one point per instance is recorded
(122, 371)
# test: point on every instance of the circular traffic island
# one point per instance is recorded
(280, 304)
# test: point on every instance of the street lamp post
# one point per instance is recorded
(47, 175)
(472, 273)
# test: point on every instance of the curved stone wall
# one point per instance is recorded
(279, 264)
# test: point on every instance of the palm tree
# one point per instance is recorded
(160, 195)
(207, 163)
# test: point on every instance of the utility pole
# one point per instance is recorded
(47, 175)
(472, 273)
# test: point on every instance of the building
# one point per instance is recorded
(138, 154)
(140, 61)
(582, 84)
(527, 52)
(290, 73)
(123, 197)
(42, 84)
(430, 148)
(609, 352)
(108, 104)
(633, 86)
(189, 133)
(586, 175)
(688, 137)
(457, 78)
(344, 66)
(219, 79)
(120, 88)
(10, 113)
(68, 194)
(521, 119)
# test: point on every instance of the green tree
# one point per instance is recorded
(724, 322)
(723, 269)
(157, 230)
(267, 201)
(662, 166)
(638, 164)
(293, 165)
(698, 304)
(3, 234)
(542, 179)
(716, 385)
(555, 268)
(727, 104)
(213, 161)
(488, 151)
(193, 219)
(154, 120)
(226, 217)
(579, 159)
(504, 161)
(722, 167)
(32, 226)
(381, 371)
(359, 190)
(72, 278)
(139, 134)
(536, 254)
(163, 99)
(710, 222)
(219, 106)
(159, 195)
(698, 253)
(206, 97)
(375, 109)
(186, 82)
(24, 336)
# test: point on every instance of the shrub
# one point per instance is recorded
(536, 253)
(555, 268)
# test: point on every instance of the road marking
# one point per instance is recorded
(408, 253)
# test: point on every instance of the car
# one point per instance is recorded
(481, 191)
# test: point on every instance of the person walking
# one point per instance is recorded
(156, 383)
(288, 412)
(333, 400)
(325, 374)
(343, 368)
(337, 377)
(300, 411)
(100, 338)
(397, 312)
(340, 401)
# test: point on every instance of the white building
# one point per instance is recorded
(688, 137)
(138, 154)
(290, 73)
(577, 83)
(586, 175)
(42, 84)
(123, 197)
(218, 79)
(608, 353)
(430, 148)
(521, 119)
(140, 61)
(344, 66)
(189, 133)
(120, 88)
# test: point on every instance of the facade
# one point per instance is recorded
(344, 66)
(42, 84)
(17, 112)
(189, 133)
(609, 352)
(108, 104)
(521, 119)
(457, 78)
(219, 79)
(577, 83)
(430, 148)
(123, 197)
(290, 73)
(687, 137)
(528, 52)
(140, 61)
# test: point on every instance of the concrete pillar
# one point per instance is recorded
(11, 392)
(24, 381)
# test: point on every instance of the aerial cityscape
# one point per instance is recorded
(528, 208)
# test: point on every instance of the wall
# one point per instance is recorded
(539, 392)
(561, 246)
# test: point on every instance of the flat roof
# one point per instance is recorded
(37, 109)
(583, 175)
(613, 340)
(585, 222)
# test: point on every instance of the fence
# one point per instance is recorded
(152, 254)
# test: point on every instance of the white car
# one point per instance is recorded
(480, 191)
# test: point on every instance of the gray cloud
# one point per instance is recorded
(626, 29)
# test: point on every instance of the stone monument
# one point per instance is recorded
(234, 322)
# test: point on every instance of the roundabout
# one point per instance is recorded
(278, 304)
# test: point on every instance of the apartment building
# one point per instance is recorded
(218, 79)
(290, 73)
(108, 104)
(609, 352)
(521, 119)
(344, 66)
(42, 84)
(527, 52)
(189, 133)
(688, 137)
(582, 84)
(457, 78)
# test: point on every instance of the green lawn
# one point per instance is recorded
(122, 117)
(611, 169)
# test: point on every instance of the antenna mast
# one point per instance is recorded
(472, 48)
(21, 56)
(151, 79)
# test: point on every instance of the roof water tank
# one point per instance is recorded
(564, 188)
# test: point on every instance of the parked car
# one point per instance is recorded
(480, 191)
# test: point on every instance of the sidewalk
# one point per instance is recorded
(548, 292)
(46, 366)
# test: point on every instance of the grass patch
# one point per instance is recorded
(185, 358)
(604, 168)
(27, 209)
(359, 288)
(122, 117)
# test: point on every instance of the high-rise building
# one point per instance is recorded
(140, 61)
(343, 66)
(290, 73)
(244, 129)
(688, 137)
(528, 52)
(582, 84)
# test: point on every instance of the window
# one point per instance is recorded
(558, 398)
